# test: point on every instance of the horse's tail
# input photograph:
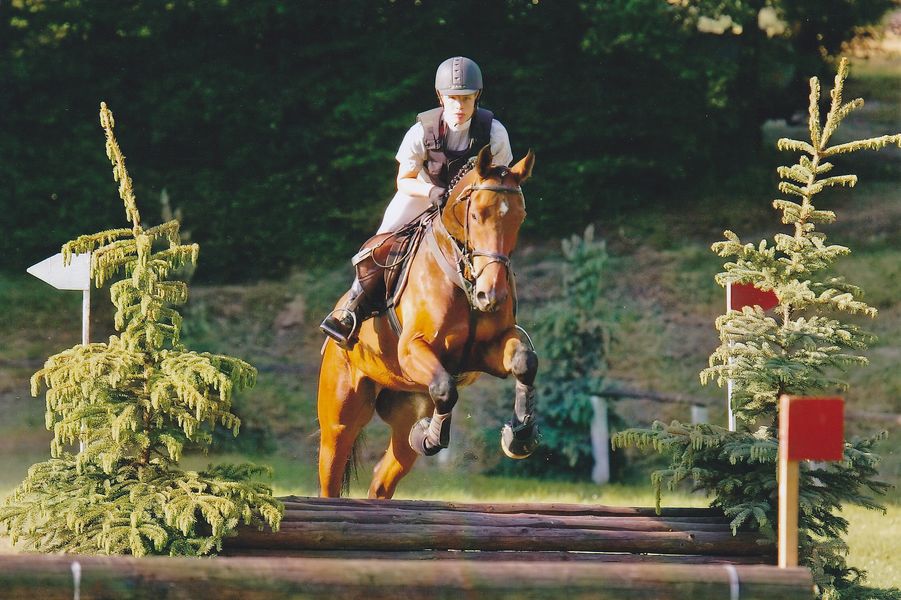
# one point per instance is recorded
(353, 466)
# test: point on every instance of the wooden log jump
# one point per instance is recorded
(371, 549)
(316, 524)
(50, 577)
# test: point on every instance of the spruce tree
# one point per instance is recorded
(802, 348)
(136, 402)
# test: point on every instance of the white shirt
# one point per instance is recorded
(412, 154)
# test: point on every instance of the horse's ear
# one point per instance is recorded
(523, 169)
(483, 162)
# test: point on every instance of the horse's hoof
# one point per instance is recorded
(418, 436)
(521, 443)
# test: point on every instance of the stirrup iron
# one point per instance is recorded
(343, 339)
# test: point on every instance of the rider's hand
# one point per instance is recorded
(436, 195)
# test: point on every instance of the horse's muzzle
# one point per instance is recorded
(489, 300)
(490, 290)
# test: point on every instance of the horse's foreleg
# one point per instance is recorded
(519, 437)
(419, 362)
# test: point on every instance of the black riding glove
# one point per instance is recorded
(436, 195)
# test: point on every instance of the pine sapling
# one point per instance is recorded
(136, 402)
(801, 348)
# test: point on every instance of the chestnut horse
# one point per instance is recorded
(457, 317)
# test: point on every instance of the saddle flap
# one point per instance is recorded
(383, 262)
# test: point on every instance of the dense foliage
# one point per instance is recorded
(803, 348)
(134, 403)
(273, 124)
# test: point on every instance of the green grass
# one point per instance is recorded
(873, 540)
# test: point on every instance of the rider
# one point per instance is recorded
(433, 151)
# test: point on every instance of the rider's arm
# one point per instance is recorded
(410, 156)
(408, 182)
(500, 144)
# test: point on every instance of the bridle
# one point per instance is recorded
(466, 275)
(469, 253)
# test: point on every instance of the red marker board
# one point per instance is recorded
(739, 295)
(809, 429)
(812, 428)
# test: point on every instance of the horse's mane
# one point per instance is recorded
(463, 172)
(499, 171)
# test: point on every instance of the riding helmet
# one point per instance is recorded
(458, 76)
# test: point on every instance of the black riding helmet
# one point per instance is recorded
(458, 76)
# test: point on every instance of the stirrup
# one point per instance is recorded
(345, 340)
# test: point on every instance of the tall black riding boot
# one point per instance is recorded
(343, 323)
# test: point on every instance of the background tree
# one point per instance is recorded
(803, 349)
(136, 402)
(283, 117)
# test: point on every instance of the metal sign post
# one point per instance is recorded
(74, 276)
(739, 295)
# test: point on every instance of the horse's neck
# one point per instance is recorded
(446, 253)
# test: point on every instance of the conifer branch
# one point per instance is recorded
(120, 174)
(814, 113)
(877, 143)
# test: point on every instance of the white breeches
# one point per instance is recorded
(401, 210)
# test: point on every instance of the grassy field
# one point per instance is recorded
(660, 279)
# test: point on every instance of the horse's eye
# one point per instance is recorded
(475, 217)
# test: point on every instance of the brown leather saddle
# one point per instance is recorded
(383, 263)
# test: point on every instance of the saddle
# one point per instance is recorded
(383, 264)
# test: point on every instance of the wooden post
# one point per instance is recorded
(788, 502)
(600, 441)
(809, 429)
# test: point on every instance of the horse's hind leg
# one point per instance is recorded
(401, 411)
(346, 405)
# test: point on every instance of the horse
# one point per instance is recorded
(457, 320)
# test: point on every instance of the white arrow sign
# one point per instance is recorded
(75, 276)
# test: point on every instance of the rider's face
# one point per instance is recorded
(459, 109)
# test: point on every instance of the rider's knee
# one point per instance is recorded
(525, 366)
(443, 391)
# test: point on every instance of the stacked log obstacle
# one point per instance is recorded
(257, 578)
(372, 549)
(323, 526)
